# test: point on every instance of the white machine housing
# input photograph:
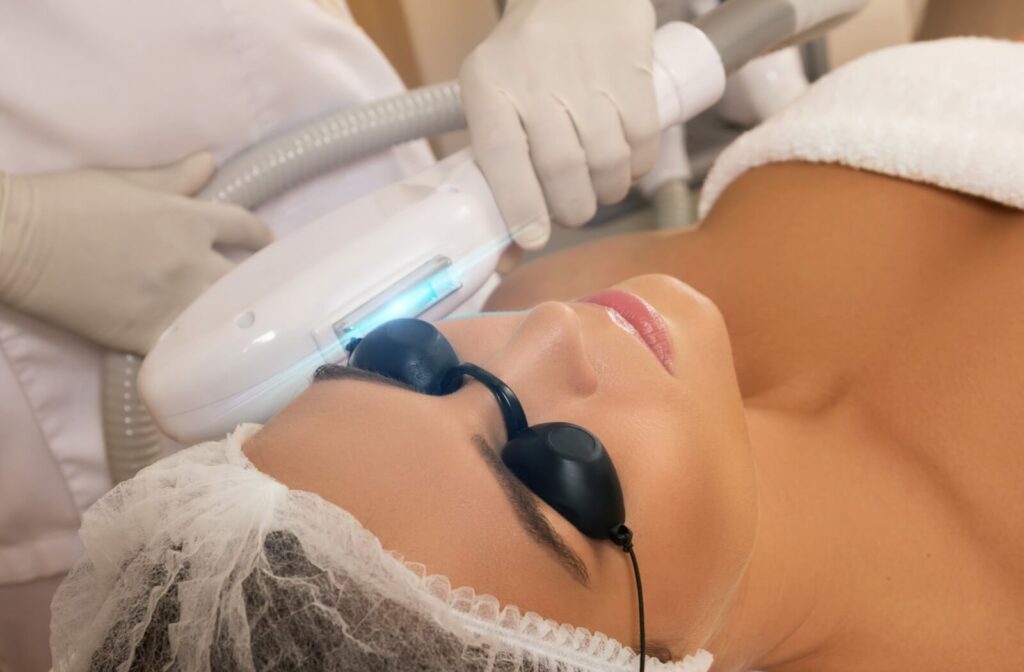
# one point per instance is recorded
(421, 247)
(250, 344)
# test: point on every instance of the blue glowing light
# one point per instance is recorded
(408, 302)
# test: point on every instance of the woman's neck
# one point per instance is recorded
(789, 599)
(860, 560)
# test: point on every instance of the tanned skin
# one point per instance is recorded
(878, 338)
(828, 476)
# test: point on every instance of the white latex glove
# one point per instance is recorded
(561, 109)
(115, 255)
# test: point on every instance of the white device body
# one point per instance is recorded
(251, 343)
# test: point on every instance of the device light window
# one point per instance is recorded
(410, 297)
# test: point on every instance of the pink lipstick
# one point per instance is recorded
(644, 321)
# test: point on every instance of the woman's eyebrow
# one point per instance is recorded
(522, 500)
(529, 514)
(341, 372)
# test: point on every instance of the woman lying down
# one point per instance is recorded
(812, 405)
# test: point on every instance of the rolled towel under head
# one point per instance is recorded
(948, 113)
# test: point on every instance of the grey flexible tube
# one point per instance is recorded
(674, 206)
(252, 178)
(275, 166)
(132, 439)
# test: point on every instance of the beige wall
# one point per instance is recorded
(883, 23)
(443, 32)
(888, 22)
(995, 18)
(426, 41)
(384, 21)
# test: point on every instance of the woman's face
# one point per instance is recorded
(424, 473)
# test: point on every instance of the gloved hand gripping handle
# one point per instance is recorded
(737, 32)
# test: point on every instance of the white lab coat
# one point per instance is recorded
(138, 83)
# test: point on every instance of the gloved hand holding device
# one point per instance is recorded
(561, 108)
(114, 256)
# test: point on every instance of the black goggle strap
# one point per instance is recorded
(511, 410)
(622, 537)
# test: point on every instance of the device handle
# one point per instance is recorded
(691, 61)
(689, 76)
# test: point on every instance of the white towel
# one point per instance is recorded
(948, 113)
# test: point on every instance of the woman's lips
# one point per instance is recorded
(640, 317)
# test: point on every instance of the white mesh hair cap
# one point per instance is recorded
(202, 562)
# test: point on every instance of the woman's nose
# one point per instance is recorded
(544, 361)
